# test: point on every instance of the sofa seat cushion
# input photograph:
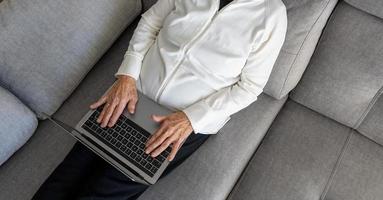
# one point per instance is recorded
(359, 172)
(22, 175)
(47, 46)
(306, 20)
(212, 170)
(345, 74)
(296, 158)
(17, 124)
(374, 7)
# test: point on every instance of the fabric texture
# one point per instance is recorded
(48, 46)
(359, 174)
(211, 172)
(295, 159)
(345, 74)
(200, 60)
(374, 7)
(17, 124)
(372, 125)
(48, 146)
(306, 20)
(26, 170)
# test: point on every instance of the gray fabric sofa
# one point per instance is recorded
(320, 141)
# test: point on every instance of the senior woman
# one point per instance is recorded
(204, 59)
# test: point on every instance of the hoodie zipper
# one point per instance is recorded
(184, 48)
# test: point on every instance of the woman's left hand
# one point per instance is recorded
(174, 130)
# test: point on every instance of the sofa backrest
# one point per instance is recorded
(306, 20)
(47, 46)
(344, 80)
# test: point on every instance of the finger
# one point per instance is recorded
(108, 114)
(155, 135)
(165, 144)
(117, 112)
(98, 103)
(176, 146)
(101, 117)
(157, 141)
(132, 105)
(159, 118)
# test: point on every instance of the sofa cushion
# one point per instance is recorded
(359, 172)
(296, 157)
(372, 125)
(306, 20)
(374, 7)
(27, 169)
(17, 124)
(33, 163)
(48, 46)
(345, 75)
(212, 170)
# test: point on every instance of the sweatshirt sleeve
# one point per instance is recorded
(210, 114)
(144, 36)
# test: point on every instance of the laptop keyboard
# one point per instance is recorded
(128, 139)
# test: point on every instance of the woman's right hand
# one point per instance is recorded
(122, 93)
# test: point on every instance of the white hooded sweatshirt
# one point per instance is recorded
(187, 55)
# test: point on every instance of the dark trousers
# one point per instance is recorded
(83, 175)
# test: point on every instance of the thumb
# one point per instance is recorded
(158, 118)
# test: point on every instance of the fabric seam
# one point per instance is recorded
(337, 164)
(300, 48)
(369, 107)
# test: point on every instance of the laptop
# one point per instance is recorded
(123, 144)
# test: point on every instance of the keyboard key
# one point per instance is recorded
(124, 141)
(118, 144)
(113, 141)
(123, 148)
(148, 166)
(88, 124)
(129, 145)
(134, 132)
(134, 148)
(161, 158)
(142, 146)
(118, 129)
(128, 151)
(138, 136)
(119, 137)
(137, 142)
(138, 158)
(114, 134)
(123, 126)
(153, 169)
(143, 162)
(156, 163)
(133, 155)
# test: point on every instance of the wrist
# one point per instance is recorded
(125, 77)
